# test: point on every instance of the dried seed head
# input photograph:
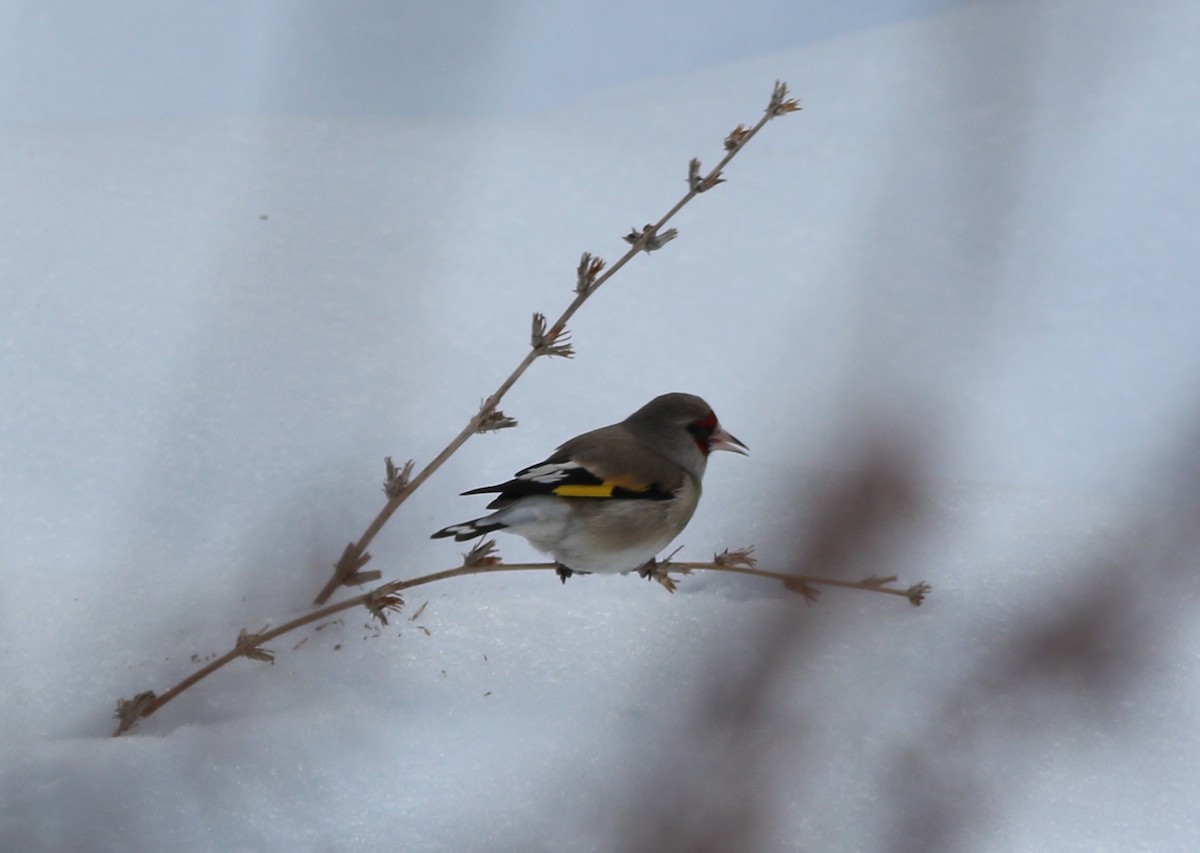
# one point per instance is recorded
(256, 652)
(129, 710)
(780, 103)
(537, 335)
(483, 554)
(380, 602)
(917, 592)
(664, 580)
(585, 274)
(658, 570)
(493, 420)
(649, 238)
(699, 184)
(397, 478)
(551, 344)
(736, 137)
(741, 557)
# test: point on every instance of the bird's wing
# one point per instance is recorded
(605, 463)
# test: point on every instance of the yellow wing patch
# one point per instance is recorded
(603, 490)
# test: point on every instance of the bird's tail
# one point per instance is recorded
(472, 529)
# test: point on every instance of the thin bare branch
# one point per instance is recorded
(481, 559)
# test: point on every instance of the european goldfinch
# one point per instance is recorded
(611, 499)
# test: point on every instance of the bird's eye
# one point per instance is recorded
(702, 430)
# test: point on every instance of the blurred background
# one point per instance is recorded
(65, 61)
(250, 249)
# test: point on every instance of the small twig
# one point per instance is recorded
(915, 594)
(590, 275)
(145, 704)
(481, 559)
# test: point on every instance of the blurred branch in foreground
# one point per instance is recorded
(934, 787)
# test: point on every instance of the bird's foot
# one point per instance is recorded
(648, 569)
(563, 572)
(653, 570)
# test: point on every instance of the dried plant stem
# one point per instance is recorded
(473, 425)
(915, 594)
(257, 640)
(347, 570)
(384, 592)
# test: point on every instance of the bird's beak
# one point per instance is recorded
(721, 440)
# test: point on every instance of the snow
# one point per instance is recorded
(975, 247)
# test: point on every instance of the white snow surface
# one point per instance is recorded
(978, 240)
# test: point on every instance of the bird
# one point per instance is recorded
(611, 499)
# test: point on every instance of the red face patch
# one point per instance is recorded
(702, 431)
